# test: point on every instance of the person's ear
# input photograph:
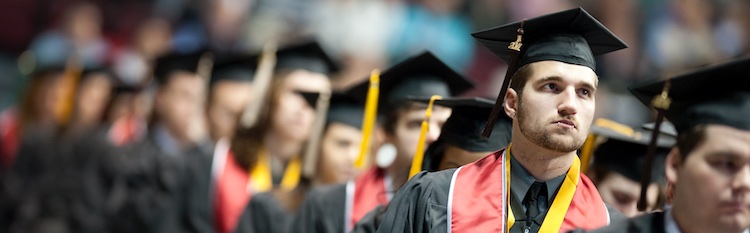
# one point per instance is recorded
(510, 103)
(672, 165)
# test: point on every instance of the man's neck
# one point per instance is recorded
(541, 163)
(281, 148)
(399, 174)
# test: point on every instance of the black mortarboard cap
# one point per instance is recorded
(346, 110)
(666, 128)
(572, 36)
(625, 153)
(238, 68)
(307, 56)
(87, 72)
(167, 64)
(712, 95)
(423, 75)
(464, 127)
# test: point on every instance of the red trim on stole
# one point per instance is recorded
(369, 192)
(478, 204)
(231, 195)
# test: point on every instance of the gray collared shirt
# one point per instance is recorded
(521, 181)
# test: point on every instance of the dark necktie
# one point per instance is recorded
(536, 204)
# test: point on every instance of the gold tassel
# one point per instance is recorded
(368, 123)
(416, 163)
(64, 108)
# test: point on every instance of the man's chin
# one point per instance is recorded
(563, 145)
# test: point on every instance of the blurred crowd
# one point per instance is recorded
(665, 36)
(114, 48)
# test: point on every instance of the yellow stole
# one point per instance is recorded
(556, 213)
(261, 178)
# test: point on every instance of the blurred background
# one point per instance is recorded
(665, 36)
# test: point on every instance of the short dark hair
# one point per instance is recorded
(518, 80)
(391, 116)
(688, 140)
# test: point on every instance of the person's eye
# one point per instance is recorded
(414, 124)
(343, 143)
(550, 86)
(584, 92)
(723, 165)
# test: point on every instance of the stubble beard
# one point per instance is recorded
(547, 140)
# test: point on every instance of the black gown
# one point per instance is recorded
(265, 214)
(165, 193)
(322, 211)
(420, 205)
(66, 185)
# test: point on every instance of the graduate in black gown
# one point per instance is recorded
(337, 208)
(535, 184)
(159, 174)
(619, 163)
(709, 165)
(299, 99)
(460, 143)
(74, 181)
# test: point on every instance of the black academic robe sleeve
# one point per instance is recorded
(197, 216)
(264, 214)
(649, 223)
(322, 211)
(370, 222)
(420, 205)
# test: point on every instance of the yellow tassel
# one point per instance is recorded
(371, 111)
(68, 91)
(587, 151)
(416, 164)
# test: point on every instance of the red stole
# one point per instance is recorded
(231, 193)
(369, 192)
(10, 136)
(479, 195)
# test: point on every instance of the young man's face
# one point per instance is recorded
(228, 100)
(293, 118)
(712, 182)
(556, 107)
(339, 149)
(180, 102)
(623, 193)
(408, 126)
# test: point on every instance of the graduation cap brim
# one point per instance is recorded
(629, 159)
(170, 63)
(641, 137)
(235, 67)
(463, 128)
(666, 128)
(309, 56)
(711, 95)
(458, 102)
(344, 109)
(574, 21)
(423, 75)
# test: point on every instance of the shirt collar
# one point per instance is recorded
(521, 181)
(166, 143)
